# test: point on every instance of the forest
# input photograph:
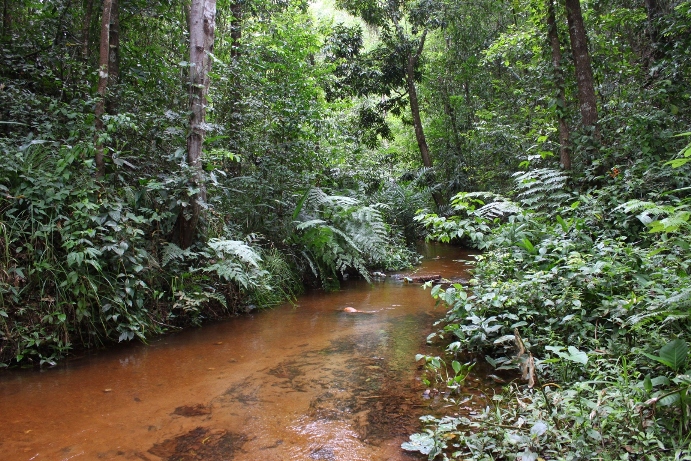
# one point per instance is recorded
(171, 162)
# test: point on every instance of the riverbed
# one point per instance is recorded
(303, 381)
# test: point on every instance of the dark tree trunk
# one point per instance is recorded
(552, 33)
(86, 28)
(113, 58)
(413, 59)
(6, 19)
(102, 86)
(653, 10)
(201, 27)
(451, 114)
(584, 71)
(235, 29)
(415, 111)
(60, 29)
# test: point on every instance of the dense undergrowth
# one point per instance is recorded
(89, 260)
(85, 264)
(590, 302)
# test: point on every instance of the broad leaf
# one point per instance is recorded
(675, 352)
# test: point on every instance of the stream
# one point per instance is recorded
(304, 381)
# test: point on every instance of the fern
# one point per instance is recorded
(542, 189)
(237, 262)
(235, 249)
(674, 218)
(172, 252)
(338, 233)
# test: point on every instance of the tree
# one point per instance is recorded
(235, 28)
(6, 19)
(653, 10)
(397, 58)
(202, 22)
(555, 45)
(104, 56)
(584, 71)
(86, 28)
(113, 56)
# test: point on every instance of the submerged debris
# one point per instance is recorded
(200, 444)
(192, 410)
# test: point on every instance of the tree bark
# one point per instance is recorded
(552, 33)
(413, 59)
(201, 28)
(6, 19)
(113, 57)
(102, 86)
(86, 28)
(653, 10)
(584, 71)
(235, 29)
(451, 114)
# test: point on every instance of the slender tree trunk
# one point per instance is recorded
(113, 58)
(451, 113)
(413, 59)
(6, 19)
(235, 29)
(235, 90)
(201, 28)
(86, 28)
(60, 29)
(653, 10)
(414, 105)
(552, 33)
(102, 86)
(584, 71)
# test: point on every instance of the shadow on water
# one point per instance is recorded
(299, 382)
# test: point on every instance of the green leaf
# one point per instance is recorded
(456, 366)
(577, 356)
(424, 443)
(675, 353)
(648, 384)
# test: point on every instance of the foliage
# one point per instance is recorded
(336, 234)
(86, 262)
(593, 311)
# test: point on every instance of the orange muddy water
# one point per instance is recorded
(299, 382)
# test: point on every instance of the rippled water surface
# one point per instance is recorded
(298, 382)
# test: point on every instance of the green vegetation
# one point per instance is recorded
(168, 162)
(148, 238)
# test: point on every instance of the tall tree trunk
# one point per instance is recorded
(6, 19)
(113, 57)
(413, 59)
(102, 86)
(653, 10)
(235, 28)
(451, 114)
(552, 33)
(201, 28)
(584, 71)
(60, 31)
(86, 28)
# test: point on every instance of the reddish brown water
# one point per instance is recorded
(299, 382)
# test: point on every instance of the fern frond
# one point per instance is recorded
(235, 249)
(543, 188)
(312, 223)
(173, 252)
(498, 209)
